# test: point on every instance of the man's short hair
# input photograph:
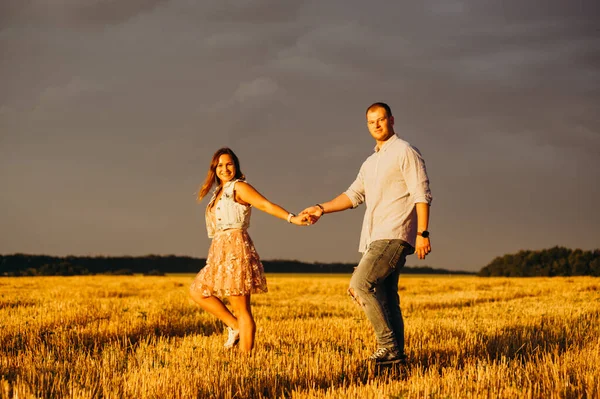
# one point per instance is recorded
(386, 107)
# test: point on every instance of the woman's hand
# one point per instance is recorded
(301, 220)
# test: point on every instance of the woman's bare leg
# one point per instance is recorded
(216, 307)
(247, 327)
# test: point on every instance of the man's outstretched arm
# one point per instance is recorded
(338, 204)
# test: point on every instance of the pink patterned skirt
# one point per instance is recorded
(232, 267)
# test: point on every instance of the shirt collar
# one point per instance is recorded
(387, 143)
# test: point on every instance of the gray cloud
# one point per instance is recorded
(251, 11)
(74, 13)
(248, 109)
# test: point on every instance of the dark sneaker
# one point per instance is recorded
(387, 356)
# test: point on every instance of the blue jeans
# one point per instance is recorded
(374, 286)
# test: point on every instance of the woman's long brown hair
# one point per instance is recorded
(211, 176)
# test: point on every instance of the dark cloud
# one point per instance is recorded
(73, 13)
(13, 10)
(482, 44)
(251, 11)
(565, 11)
(102, 12)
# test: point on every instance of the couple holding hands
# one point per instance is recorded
(394, 186)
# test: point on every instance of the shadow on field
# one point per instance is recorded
(77, 338)
(267, 384)
(465, 303)
(13, 304)
(515, 343)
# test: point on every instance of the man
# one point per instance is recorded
(394, 186)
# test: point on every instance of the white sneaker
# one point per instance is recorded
(232, 338)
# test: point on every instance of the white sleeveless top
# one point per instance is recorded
(228, 214)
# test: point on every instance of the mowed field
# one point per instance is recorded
(141, 337)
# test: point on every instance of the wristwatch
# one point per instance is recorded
(424, 234)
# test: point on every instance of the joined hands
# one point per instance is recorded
(307, 217)
(301, 220)
(312, 214)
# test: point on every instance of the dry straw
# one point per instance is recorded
(140, 337)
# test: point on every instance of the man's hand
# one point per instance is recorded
(313, 212)
(422, 247)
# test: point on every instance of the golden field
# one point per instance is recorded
(141, 337)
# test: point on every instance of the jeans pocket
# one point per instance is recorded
(378, 246)
(399, 255)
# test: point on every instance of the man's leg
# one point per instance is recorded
(393, 302)
(367, 287)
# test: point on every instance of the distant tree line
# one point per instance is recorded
(556, 261)
(44, 265)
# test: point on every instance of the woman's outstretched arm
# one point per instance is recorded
(246, 194)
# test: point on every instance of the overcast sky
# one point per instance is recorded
(110, 112)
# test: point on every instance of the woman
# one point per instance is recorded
(233, 268)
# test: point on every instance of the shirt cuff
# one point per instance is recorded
(423, 199)
(354, 198)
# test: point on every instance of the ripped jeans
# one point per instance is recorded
(374, 286)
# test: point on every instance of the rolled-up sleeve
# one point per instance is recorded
(356, 191)
(415, 175)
